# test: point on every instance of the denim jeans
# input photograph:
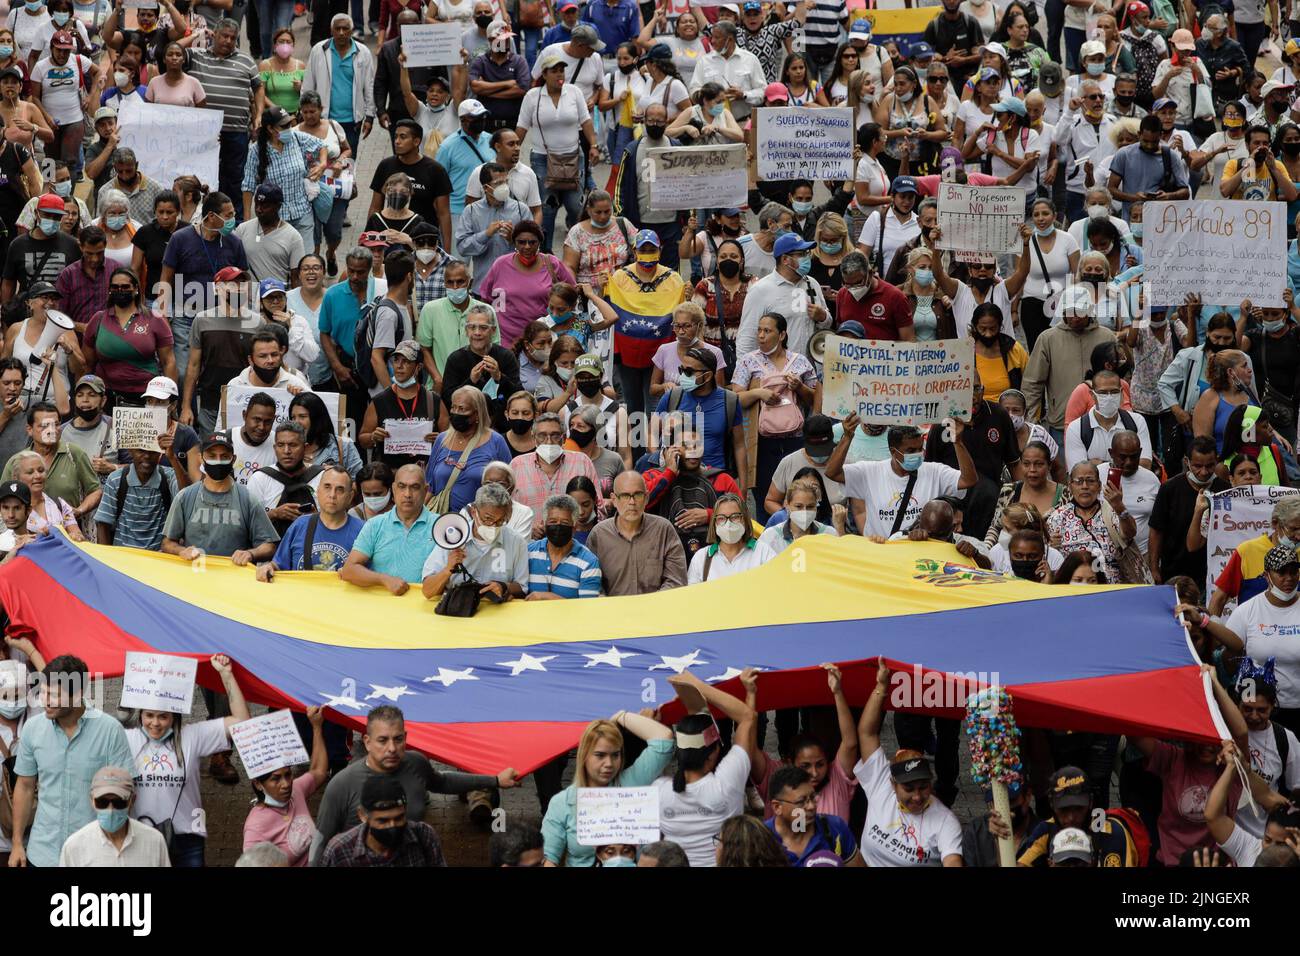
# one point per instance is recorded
(1074, 38)
(332, 228)
(306, 227)
(272, 15)
(532, 40)
(188, 849)
(571, 199)
(230, 167)
(352, 131)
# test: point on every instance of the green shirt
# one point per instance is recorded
(442, 329)
(70, 477)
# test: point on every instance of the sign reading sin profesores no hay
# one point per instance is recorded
(898, 383)
(798, 143)
(1223, 250)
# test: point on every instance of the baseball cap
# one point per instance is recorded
(62, 40)
(104, 112)
(1092, 48)
(997, 48)
(903, 184)
(788, 243)
(422, 229)
(860, 30)
(1069, 788)
(268, 192)
(751, 6)
(470, 107)
(16, 73)
(1164, 101)
(50, 202)
(372, 240)
(112, 781)
(382, 791)
(567, 5)
(270, 287)
(218, 438)
(1272, 85)
(851, 329)
(660, 51)
(1051, 80)
(550, 61)
(230, 274)
(586, 34)
(987, 73)
(644, 237)
(1011, 104)
(776, 91)
(921, 51)
(16, 489)
(1182, 40)
(1292, 48)
(730, 6)
(910, 769)
(729, 211)
(497, 29)
(1136, 7)
(818, 431)
(589, 363)
(160, 386)
(1071, 844)
(94, 381)
(1279, 557)
(40, 288)
(822, 858)
(408, 349)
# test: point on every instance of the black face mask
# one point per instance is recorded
(1124, 101)
(655, 132)
(1212, 347)
(1092, 279)
(1291, 149)
(988, 339)
(983, 283)
(589, 387)
(1278, 105)
(483, 22)
(626, 68)
(476, 125)
(461, 421)
(729, 231)
(219, 471)
(121, 297)
(520, 426)
(559, 534)
(389, 838)
(266, 375)
(87, 414)
(1025, 569)
(582, 439)
(729, 268)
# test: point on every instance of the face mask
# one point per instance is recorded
(609, 221)
(121, 297)
(405, 383)
(378, 502)
(562, 317)
(1135, 228)
(501, 193)
(730, 533)
(550, 453)
(923, 276)
(270, 801)
(121, 78)
(218, 470)
(626, 68)
(859, 292)
(1025, 569)
(922, 72)
(486, 534)
(647, 260)
(818, 459)
(655, 131)
(1124, 101)
(397, 200)
(266, 375)
(589, 388)
(1107, 405)
(830, 248)
(987, 339)
(284, 50)
(802, 519)
(805, 264)
(425, 256)
(34, 7)
(115, 223)
(1018, 422)
(729, 268)
(912, 461)
(63, 189)
(1281, 595)
(1095, 69)
(1233, 122)
(1092, 278)
(112, 819)
(461, 421)
(1277, 326)
(49, 226)
(1044, 233)
(1004, 538)
(1098, 212)
(686, 382)
(802, 207)
(12, 709)
(6, 52)
(617, 861)
(228, 225)
(717, 109)
(483, 22)
(458, 296)
(527, 258)
(564, 373)
(907, 97)
(983, 283)
(559, 534)
(389, 838)
(1138, 29)
(583, 439)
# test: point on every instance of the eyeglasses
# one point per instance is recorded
(683, 326)
(730, 519)
(1094, 96)
(627, 497)
(808, 801)
(103, 803)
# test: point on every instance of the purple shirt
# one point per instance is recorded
(524, 295)
(82, 296)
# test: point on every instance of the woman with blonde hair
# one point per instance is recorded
(801, 501)
(863, 92)
(46, 512)
(931, 309)
(600, 764)
(833, 244)
(459, 455)
(733, 547)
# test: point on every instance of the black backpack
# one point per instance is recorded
(297, 490)
(690, 491)
(1086, 429)
(363, 341)
(164, 488)
(731, 400)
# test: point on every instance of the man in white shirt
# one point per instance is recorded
(114, 839)
(737, 71)
(266, 364)
(787, 291)
(891, 226)
(1082, 135)
(250, 441)
(519, 176)
(1138, 485)
(1088, 437)
(888, 495)
(286, 489)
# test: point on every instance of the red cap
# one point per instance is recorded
(51, 202)
(1136, 7)
(230, 274)
(63, 40)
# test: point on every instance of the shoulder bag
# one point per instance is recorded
(442, 500)
(563, 170)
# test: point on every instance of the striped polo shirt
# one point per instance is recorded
(230, 83)
(140, 525)
(822, 26)
(577, 576)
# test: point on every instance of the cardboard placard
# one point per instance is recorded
(898, 383)
(798, 143)
(431, 44)
(406, 436)
(1225, 250)
(628, 815)
(139, 427)
(268, 742)
(158, 682)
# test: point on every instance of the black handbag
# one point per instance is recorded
(460, 600)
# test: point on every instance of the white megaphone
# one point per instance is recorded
(817, 346)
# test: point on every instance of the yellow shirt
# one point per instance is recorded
(1256, 183)
(994, 373)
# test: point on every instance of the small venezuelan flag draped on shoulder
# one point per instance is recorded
(645, 312)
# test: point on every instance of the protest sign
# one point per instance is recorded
(983, 219)
(1236, 516)
(171, 141)
(267, 743)
(139, 427)
(898, 383)
(617, 815)
(1221, 249)
(158, 682)
(234, 399)
(431, 44)
(406, 436)
(798, 143)
(702, 177)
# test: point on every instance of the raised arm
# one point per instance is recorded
(873, 715)
(746, 719)
(238, 706)
(847, 755)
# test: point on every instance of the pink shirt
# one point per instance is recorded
(832, 799)
(1185, 788)
(523, 295)
(188, 92)
(669, 362)
(290, 828)
(1081, 402)
(929, 185)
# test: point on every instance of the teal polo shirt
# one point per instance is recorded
(63, 767)
(457, 155)
(392, 548)
(339, 313)
(341, 73)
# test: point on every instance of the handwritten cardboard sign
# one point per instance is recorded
(171, 141)
(617, 815)
(798, 143)
(406, 436)
(268, 742)
(981, 219)
(235, 398)
(139, 427)
(702, 177)
(158, 682)
(1225, 250)
(898, 383)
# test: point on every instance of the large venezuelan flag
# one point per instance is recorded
(514, 685)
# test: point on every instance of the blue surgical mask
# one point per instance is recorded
(618, 861)
(116, 223)
(270, 801)
(6, 52)
(458, 296)
(286, 136)
(717, 109)
(1135, 230)
(921, 72)
(1044, 233)
(781, 232)
(49, 225)
(378, 502)
(562, 317)
(112, 819)
(59, 18)
(912, 461)
(830, 248)
(1095, 69)
(228, 225)
(36, 7)
(924, 276)
(12, 709)
(406, 382)
(805, 264)
(686, 382)
(63, 189)
(1277, 326)
(801, 206)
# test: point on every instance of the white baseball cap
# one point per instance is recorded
(160, 386)
(470, 108)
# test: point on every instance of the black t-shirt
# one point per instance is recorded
(1170, 515)
(378, 223)
(964, 33)
(152, 240)
(1276, 360)
(429, 182)
(93, 149)
(30, 259)
(989, 437)
(12, 196)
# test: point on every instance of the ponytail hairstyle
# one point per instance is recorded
(701, 727)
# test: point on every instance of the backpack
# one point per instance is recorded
(1086, 430)
(363, 340)
(782, 419)
(297, 491)
(687, 492)
(164, 488)
(732, 402)
(1147, 58)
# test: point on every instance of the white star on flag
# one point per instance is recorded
(343, 700)
(526, 662)
(729, 673)
(448, 676)
(391, 693)
(613, 657)
(678, 664)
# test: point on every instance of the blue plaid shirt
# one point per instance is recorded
(286, 168)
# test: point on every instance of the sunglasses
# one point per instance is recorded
(103, 803)
(122, 288)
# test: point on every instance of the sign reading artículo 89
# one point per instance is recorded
(1223, 250)
(898, 383)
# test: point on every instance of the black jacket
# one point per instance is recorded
(462, 361)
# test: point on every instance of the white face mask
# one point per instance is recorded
(730, 533)
(1281, 595)
(802, 519)
(272, 802)
(1098, 212)
(487, 535)
(378, 502)
(550, 453)
(425, 255)
(1018, 422)
(501, 193)
(1107, 405)
(1004, 539)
